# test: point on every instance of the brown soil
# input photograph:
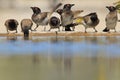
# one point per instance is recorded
(63, 34)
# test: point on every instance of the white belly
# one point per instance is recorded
(111, 24)
(55, 14)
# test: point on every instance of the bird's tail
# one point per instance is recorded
(56, 7)
(67, 28)
(77, 13)
(106, 30)
(73, 25)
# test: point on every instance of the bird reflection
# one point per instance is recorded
(26, 38)
(112, 40)
(54, 39)
(58, 61)
(92, 39)
(67, 63)
(36, 58)
(11, 38)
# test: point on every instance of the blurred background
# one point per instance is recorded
(20, 9)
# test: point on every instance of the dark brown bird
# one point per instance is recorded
(68, 16)
(26, 25)
(42, 18)
(90, 21)
(11, 25)
(39, 18)
(111, 19)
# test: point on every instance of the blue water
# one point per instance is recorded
(80, 46)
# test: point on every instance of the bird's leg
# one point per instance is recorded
(73, 28)
(31, 29)
(7, 31)
(95, 30)
(21, 29)
(16, 31)
(36, 27)
(59, 29)
(85, 30)
(44, 28)
(63, 28)
(50, 29)
(115, 30)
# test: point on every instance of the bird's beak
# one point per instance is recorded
(107, 7)
(72, 4)
(81, 11)
(31, 7)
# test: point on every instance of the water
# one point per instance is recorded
(60, 58)
(82, 46)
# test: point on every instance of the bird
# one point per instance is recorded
(11, 25)
(67, 17)
(55, 21)
(42, 18)
(26, 25)
(90, 20)
(111, 19)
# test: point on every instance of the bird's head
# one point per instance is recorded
(54, 21)
(59, 11)
(26, 33)
(36, 10)
(111, 8)
(67, 7)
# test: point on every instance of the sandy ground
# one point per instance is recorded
(86, 5)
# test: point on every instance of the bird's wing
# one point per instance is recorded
(6, 23)
(54, 9)
(16, 22)
(78, 20)
(106, 19)
(77, 12)
(67, 18)
(41, 16)
(86, 19)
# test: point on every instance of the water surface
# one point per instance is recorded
(60, 58)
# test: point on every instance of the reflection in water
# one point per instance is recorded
(60, 58)
(36, 58)
(26, 38)
(112, 40)
(93, 40)
(11, 38)
(83, 46)
(59, 68)
(67, 63)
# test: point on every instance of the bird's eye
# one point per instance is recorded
(111, 7)
(68, 5)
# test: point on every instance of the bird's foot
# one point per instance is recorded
(34, 30)
(96, 31)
